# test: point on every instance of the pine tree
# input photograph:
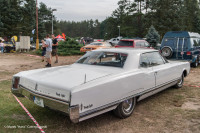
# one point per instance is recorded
(10, 13)
(153, 37)
(29, 17)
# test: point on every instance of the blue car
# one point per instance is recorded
(181, 45)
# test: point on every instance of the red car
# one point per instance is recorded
(133, 43)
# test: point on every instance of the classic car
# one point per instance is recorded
(95, 46)
(100, 81)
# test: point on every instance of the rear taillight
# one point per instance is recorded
(188, 53)
(16, 82)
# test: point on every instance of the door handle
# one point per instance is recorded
(156, 72)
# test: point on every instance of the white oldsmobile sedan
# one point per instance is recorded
(101, 81)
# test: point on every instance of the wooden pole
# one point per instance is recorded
(37, 40)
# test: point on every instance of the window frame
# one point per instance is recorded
(150, 66)
(100, 54)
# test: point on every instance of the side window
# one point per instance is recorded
(144, 62)
(194, 42)
(146, 44)
(199, 41)
(140, 44)
(114, 39)
(155, 59)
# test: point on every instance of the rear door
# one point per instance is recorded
(181, 47)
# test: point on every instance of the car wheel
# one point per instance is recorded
(167, 52)
(125, 109)
(196, 63)
(179, 84)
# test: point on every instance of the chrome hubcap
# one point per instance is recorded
(180, 81)
(127, 105)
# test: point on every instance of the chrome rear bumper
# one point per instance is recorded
(49, 102)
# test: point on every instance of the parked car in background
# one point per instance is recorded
(100, 81)
(114, 41)
(94, 46)
(133, 43)
(181, 45)
(9, 46)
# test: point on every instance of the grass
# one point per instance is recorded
(159, 113)
(12, 114)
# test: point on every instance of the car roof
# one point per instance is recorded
(128, 50)
(181, 34)
(132, 39)
(98, 42)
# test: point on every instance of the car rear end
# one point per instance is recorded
(86, 49)
(180, 46)
(43, 96)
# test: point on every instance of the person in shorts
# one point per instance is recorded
(48, 46)
(54, 47)
(43, 50)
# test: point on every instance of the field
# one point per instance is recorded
(173, 110)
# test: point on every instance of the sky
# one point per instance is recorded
(78, 10)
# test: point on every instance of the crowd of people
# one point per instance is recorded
(49, 49)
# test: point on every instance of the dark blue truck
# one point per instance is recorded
(181, 45)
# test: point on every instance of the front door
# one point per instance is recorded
(148, 76)
(164, 72)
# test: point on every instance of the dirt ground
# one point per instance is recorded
(14, 63)
(169, 111)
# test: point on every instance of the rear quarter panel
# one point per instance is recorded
(108, 90)
(180, 67)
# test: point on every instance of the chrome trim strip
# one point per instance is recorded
(159, 86)
(99, 109)
(150, 93)
(97, 113)
(44, 96)
(49, 103)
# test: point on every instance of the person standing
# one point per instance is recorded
(43, 50)
(55, 47)
(1, 46)
(48, 46)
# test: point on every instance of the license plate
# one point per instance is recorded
(38, 101)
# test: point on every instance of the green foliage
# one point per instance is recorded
(133, 17)
(153, 37)
(87, 28)
(68, 47)
(18, 17)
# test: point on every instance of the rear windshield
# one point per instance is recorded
(95, 44)
(125, 43)
(101, 58)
